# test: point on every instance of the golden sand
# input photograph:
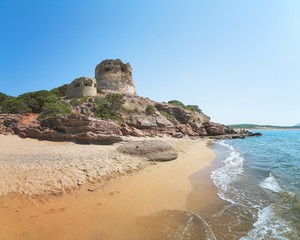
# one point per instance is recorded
(110, 210)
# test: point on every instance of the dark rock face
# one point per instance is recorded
(74, 128)
(116, 76)
(7, 122)
(11, 120)
(182, 115)
(131, 131)
(214, 129)
(52, 135)
(144, 122)
(74, 124)
(154, 150)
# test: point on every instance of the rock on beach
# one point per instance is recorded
(153, 150)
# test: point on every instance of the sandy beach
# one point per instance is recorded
(64, 190)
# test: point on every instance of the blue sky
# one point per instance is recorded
(237, 59)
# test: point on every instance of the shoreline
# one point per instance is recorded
(112, 210)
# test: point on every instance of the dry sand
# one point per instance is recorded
(95, 211)
(30, 166)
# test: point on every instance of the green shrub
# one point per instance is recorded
(54, 109)
(100, 101)
(115, 102)
(193, 108)
(60, 91)
(131, 111)
(176, 103)
(150, 110)
(3, 97)
(168, 116)
(75, 102)
(37, 100)
(110, 106)
(14, 105)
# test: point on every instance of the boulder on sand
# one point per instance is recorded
(154, 150)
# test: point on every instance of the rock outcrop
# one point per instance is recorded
(153, 150)
(134, 115)
(114, 75)
(75, 124)
(81, 87)
(73, 128)
(52, 135)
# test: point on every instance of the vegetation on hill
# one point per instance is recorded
(3, 97)
(109, 107)
(46, 103)
(193, 108)
(150, 109)
(60, 91)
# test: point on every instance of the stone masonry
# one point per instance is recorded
(81, 87)
(114, 75)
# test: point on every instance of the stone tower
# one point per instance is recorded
(116, 76)
(81, 87)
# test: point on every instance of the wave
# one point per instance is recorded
(224, 176)
(268, 204)
(270, 226)
(272, 184)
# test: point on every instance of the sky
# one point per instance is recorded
(239, 60)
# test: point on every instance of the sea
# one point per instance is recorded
(259, 180)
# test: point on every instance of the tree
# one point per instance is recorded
(60, 91)
(115, 102)
(110, 106)
(14, 105)
(3, 97)
(37, 100)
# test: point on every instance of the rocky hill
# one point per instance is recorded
(103, 110)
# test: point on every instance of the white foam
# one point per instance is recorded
(271, 183)
(270, 226)
(224, 176)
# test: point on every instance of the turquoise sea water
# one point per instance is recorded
(260, 181)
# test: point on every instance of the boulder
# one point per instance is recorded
(153, 150)
(214, 129)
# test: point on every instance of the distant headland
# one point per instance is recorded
(261, 127)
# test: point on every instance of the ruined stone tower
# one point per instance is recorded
(116, 76)
(81, 87)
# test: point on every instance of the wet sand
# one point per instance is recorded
(112, 210)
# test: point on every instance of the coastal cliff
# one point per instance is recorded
(103, 110)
